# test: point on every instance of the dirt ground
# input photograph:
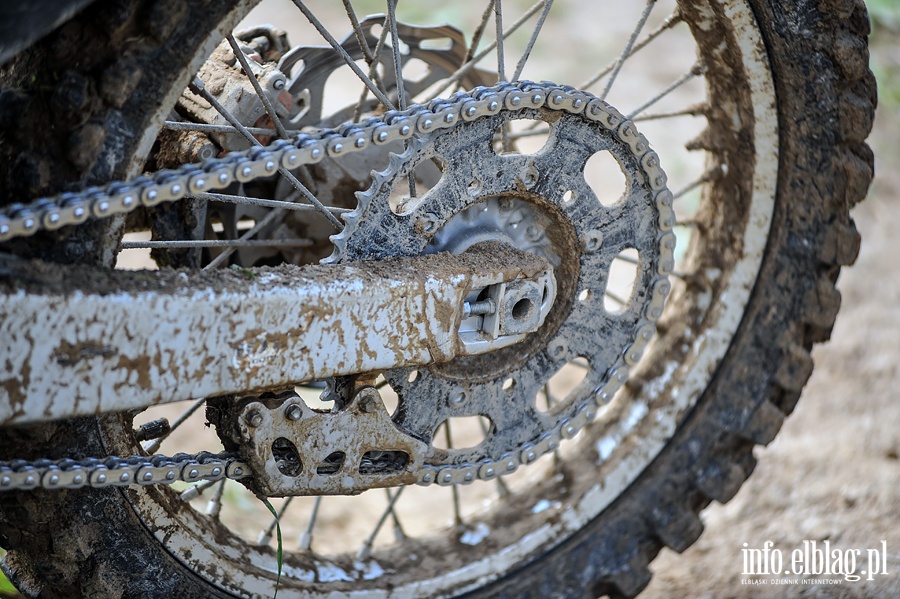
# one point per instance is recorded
(833, 472)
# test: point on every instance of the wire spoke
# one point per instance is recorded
(373, 71)
(215, 243)
(468, 66)
(259, 226)
(498, 24)
(670, 22)
(548, 395)
(502, 489)
(479, 32)
(457, 513)
(399, 533)
(697, 110)
(366, 548)
(306, 537)
(398, 76)
(711, 174)
(696, 71)
(199, 88)
(265, 535)
(206, 128)
(534, 35)
(627, 259)
(323, 31)
(287, 204)
(615, 298)
(358, 32)
(153, 446)
(628, 47)
(266, 102)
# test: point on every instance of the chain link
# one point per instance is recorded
(116, 471)
(21, 220)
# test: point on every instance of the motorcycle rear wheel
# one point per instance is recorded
(792, 102)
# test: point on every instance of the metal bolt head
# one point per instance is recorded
(293, 412)
(428, 222)
(253, 418)
(278, 84)
(593, 240)
(457, 398)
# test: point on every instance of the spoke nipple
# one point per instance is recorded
(305, 541)
(363, 553)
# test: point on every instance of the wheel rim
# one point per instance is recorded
(629, 432)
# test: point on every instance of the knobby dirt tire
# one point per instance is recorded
(91, 543)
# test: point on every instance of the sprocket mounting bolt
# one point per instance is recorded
(254, 418)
